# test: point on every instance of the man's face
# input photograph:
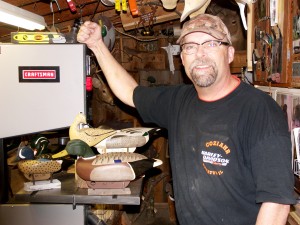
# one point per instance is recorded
(206, 65)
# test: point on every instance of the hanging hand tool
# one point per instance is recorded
(276, 51)
(133, 7)
(124, 6)
(51, 4)
(172, 50)
(89, 82)
(118, 5)
(72, 6)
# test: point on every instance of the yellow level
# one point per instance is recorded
(37, 37)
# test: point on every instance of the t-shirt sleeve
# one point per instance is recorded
(272, 161)
(271, 154)
(153, 104)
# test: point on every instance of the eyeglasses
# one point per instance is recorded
(192, 47)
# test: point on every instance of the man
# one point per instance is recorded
(230, 148)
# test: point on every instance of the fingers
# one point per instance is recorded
(83, 35)
(85, 31)
(89, 34)
(89, 26)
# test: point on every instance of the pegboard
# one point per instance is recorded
(271, 62)
(295, 42)
(296, 70)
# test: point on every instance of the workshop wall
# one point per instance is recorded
(274, 42)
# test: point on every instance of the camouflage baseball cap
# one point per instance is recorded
(206, 23)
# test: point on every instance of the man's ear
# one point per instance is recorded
(182, 61)
(230, 53)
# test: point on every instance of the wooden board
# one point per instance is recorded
(240, 61)
(250, 37)
(159, 77)
(160, 14)
(293, 219)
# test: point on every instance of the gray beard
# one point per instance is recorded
(201, 79)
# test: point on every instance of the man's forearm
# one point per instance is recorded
(272, 214)
(120, 81)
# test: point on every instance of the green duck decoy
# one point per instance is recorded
(107, 139)
(117, 168)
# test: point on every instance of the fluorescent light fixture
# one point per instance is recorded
(16, 16)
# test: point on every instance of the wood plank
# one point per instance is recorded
(250, 36)
(161, 15)
(160, 77)
(240, 61)
(293, 219)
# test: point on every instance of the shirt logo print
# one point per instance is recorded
(213, 158)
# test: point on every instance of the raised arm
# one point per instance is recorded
(120, 81)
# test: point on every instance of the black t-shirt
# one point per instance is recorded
(227, 156)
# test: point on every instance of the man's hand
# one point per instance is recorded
(89, 34)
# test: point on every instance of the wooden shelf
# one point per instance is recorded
(293, 219)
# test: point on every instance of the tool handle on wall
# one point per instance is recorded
(118, 5)
(124, 6)
(88, 81)
(133, 7)
(72, 5)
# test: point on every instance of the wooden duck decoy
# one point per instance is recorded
(193, 8)
(242, 4)
(24, 153)
(39, 144)
(79, 129)
(107, 139)
(169, 4)
(36, 169)
(108, 170)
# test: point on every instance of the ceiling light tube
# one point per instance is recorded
(16, 16)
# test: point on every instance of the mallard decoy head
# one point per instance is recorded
(76, 147)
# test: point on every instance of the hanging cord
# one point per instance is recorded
(136, 38)
(146, 202)
(81, 6)
(95, 10)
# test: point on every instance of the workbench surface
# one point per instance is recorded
(69, 193)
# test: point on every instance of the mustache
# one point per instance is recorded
(202, 62)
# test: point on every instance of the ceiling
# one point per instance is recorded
(58, 14)
(60, 18)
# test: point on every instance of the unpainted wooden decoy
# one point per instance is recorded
(194, 6)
